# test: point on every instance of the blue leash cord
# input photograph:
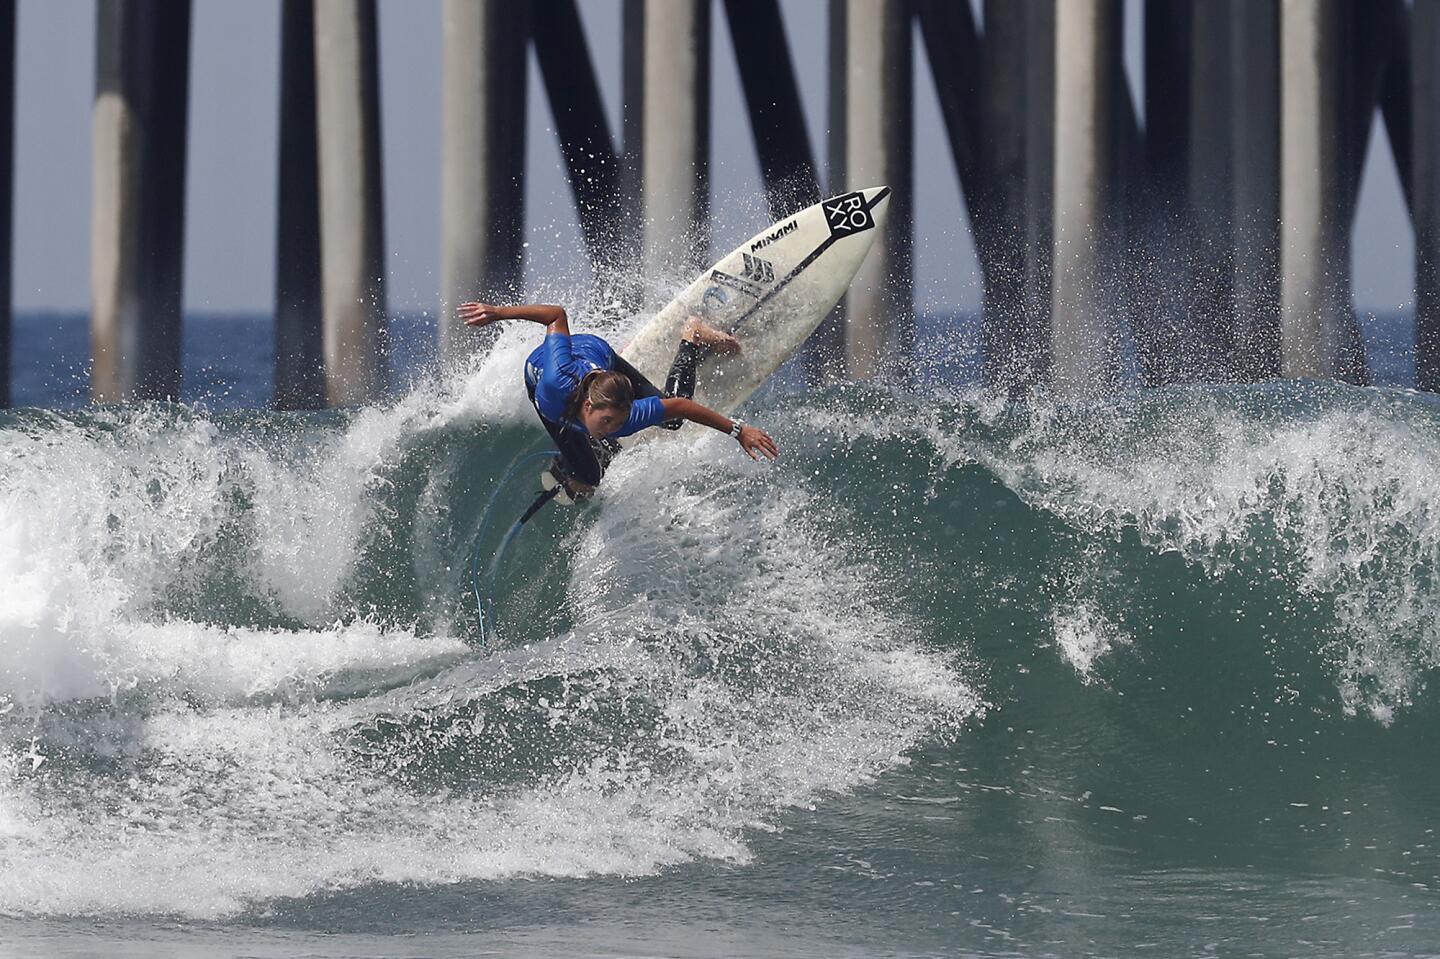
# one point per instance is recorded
(484, 602)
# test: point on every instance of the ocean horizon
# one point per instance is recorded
(228, 356)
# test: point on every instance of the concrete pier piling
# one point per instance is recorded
(482, 208)
(1007, 343)
(1161, 336)
(674, 131)
(1316, 315)
(1210, 255)
(1254, 94)
(299, 333)
(879, 149)
(138, 197)
(1087, 44)
(7, 170)
(1211, 311)
(835, 99)
(1425, 188)
(351, 209)
(1128, 201)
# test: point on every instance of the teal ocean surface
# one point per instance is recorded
(953, 677)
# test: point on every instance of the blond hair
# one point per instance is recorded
(605, 389)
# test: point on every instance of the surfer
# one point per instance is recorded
(586, 394)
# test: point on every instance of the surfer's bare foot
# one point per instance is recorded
(701, 334)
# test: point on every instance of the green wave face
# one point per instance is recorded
(238, 658)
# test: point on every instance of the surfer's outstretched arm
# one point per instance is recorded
(752, 439)
(551, 317)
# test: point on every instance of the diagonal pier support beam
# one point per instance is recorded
(772, 97)
(1395, 103)
(299, 337)
(1375, 29)
(568, 72)
(960, 64)
(1425, 190)
(981, 86)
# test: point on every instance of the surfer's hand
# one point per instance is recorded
(755, 440)
(478, 314)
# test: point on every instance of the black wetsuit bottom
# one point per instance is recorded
(585, 458)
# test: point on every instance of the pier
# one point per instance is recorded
(1200, 233)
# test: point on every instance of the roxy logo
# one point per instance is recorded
(779, 234)
(848, 214)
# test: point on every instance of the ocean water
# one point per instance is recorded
(953, 677)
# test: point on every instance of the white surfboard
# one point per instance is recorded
(770, 293)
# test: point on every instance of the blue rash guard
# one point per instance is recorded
(555, 369)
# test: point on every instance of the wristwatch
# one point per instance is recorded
(735, 427)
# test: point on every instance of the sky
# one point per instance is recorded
(230, 187)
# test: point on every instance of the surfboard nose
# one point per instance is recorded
(874, 200)
(877, 198)
(871, 193)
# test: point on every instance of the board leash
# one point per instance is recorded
(484, 599)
